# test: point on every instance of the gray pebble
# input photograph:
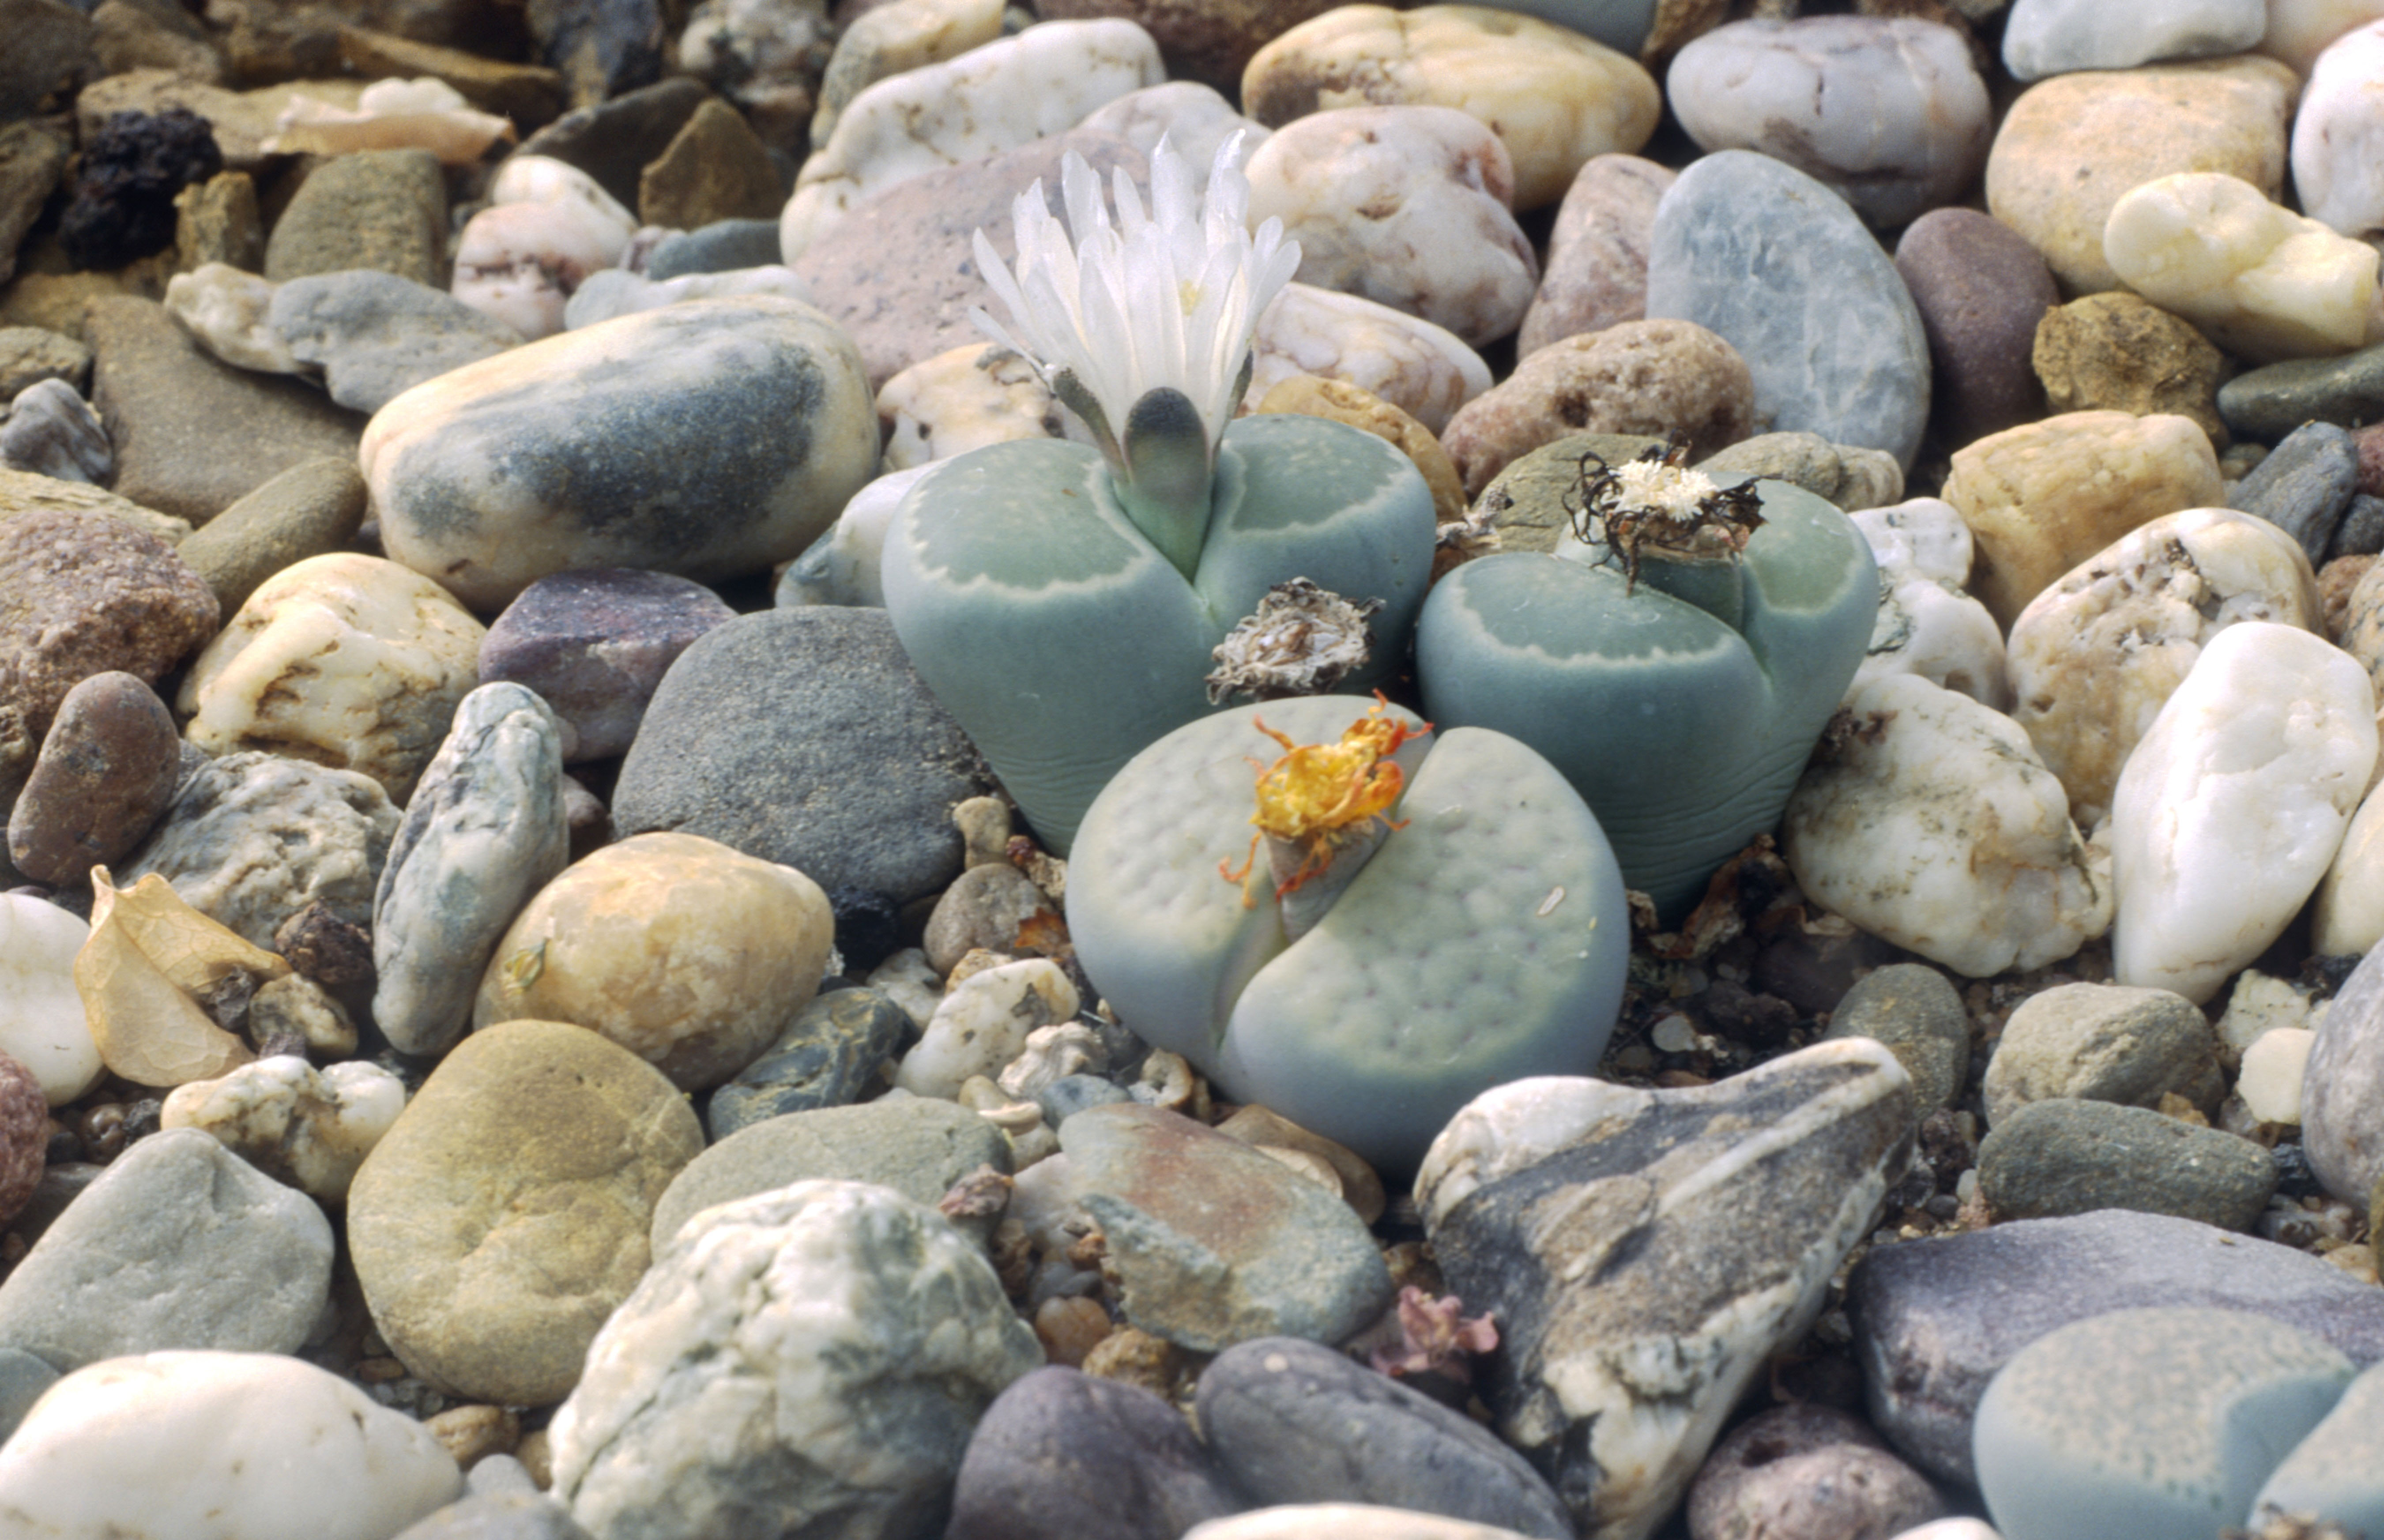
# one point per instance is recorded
(503, 1516)
(376, 335)
(1071, 1094)
(722, 246)
(828, 1056)
(52, 431)
(2105, 1042)
(2062, 1157)
(1915, 1011)
(2304, 486)
(1807, 1471)
(984, 907)
(2268, 403)
(2360, 533)
(2342, 1087)
(23, 1378)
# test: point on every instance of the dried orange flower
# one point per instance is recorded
(1320, 796)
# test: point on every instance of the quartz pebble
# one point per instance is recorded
(891, 40)
(168, 1445)
(1928, 624)
(2263, 282)
(834, 1318)
(2271, 1082)
(2338, 132)
(2347, 916)
(1406, 205)
(616, 291)
(1931, 822)
(308, 1128)
(1759, 254)
(1888, 111)
(356, 659)
(982, 1025)
(548, 227)
(41, 1022)
(1425, 370)
(678, 948)
(1554, 96)
(973, 395)
(991, 99)
(2095, 656)
(2212, 851)
(2053, 37)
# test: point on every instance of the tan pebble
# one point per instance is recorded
(1310, 396)
(1133, 1356)
(537, 1457)
(2336, 580)
(471, 1434)
(1071, 1329)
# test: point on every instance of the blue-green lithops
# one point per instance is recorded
(1678, 668)
(1485, 938)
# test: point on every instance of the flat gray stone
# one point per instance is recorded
(181, 1244)
(594, 644)
(1711, 1221)
(376, 335)
(483, 832)
(2147, 1424)
(2342, 1087)
(1292, 1422)
(823, 750)
(1777, 265)
(918, 1146)
(2063, 1156)
(722, 246)
(1934, 1319)
(2268, 403)
(1064, 1453)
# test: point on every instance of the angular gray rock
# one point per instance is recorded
(2270, 402)
(251, 838)
(811, 1361)
(52, 431)
(179, 1244)
(828, 1056)
(1284, 1258)
(1295, 1422)
(1780, 268)
(1711, 1221)
(376, 335)
(2304, 486)
(1935, 1320)
(484, 831)
(820, 750)
(2342, 1087)
(498, 1516)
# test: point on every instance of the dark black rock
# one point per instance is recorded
(2303, 486)
(123, 205)
(2295, 1177)
(594, 644)
(868, 928)
(828, 1056)
(1063, 1456)
(613, 141)
(805, 737)
(1295, 1422)
(1935, 1320)
(722, 246)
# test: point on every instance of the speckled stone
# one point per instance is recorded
(483, 832)
(1287, 1258)
(1707, 1257)
(1596, 270)
(1807, 1472)
(24, 1136)
(253, 839)
(1916, 1012)
(1851, 477)
(1934, 1322)
(574, 451)
(1293, 1421)
(827, 1057)
(107, 769)
(1653, 377)
(2120, 352)
(595, 644)
(1526, 502)
(194, 435)
(377, 335)
(918, 1146)
(382, 209)
(491, 1277)
(1770, 259)
(82, 594)
(30, 355)
(2144, 1424)
(1982, 292)
(840, 762)
(2106, 1041)
(2067, 1156)
(1064, 1453)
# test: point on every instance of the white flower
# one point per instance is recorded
(1165, 299)
(1660, 486)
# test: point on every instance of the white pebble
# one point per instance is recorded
(2339, 136)
(2234, 803)
(2271, 1082)
(42, 1021)
(310, 1127)
(224, 310)
(1928, 623)
(983, 1025)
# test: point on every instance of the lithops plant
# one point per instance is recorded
(1424, 915)
(1677, 657)
(1063, 600)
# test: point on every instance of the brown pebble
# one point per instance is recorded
(106, 771)
(2335, 582)
(471, 1434)
(1070, 1329)
(24, 1136)
(537, 1457)
(1135, 1356)
(324, 948)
